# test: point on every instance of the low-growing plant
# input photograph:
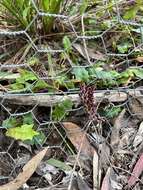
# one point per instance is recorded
(102, 78)
(51, 7)
(20, 13)
(61, 110)
(23, 128)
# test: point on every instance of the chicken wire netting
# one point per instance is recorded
(80, 89)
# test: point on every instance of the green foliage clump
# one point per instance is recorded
(20, 13)
(61, 110)
(23, 128)
(112, 111)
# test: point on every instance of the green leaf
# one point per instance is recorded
(138, 72)
(123, 48)
(61, 165)
(28, 119)
(26, 76)
(40, 84)
(22, 81)
(83, 6)
(125, 75)
(37, 140)
(25, 14)
(112, 111)
(131, 13)
(61, 110)
(99, 73)
(16, 86)
(67, 104)
(81, 74)
(40, 138)
(105, 75)
(10, 122)
(33, 61)
(67, 44)
(25, 132)
(64, 81)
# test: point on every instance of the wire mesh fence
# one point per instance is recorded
(87, 71)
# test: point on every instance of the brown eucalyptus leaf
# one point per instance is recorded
(83, 161)
(78, 138)
(91, 52)
(104, 155)
(139, 59)
(82, 185)
(96, 172)
(119, 123)
(139, 137)
(110, 181)
(26, 173)
(137, 171)
(106, 181)
(136, 107)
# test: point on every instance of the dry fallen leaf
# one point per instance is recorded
(104, 155)
(82, 183)
(96, 172)
(83, 161)
(110, 181)
(119, 123)
(139, 59)
(26, 173)
(126, 138)
(91, 52)
(137, 170)
(136, 107)
(106, 183)
(78, 138)
(139, 137)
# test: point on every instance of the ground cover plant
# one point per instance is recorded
(71, 94)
